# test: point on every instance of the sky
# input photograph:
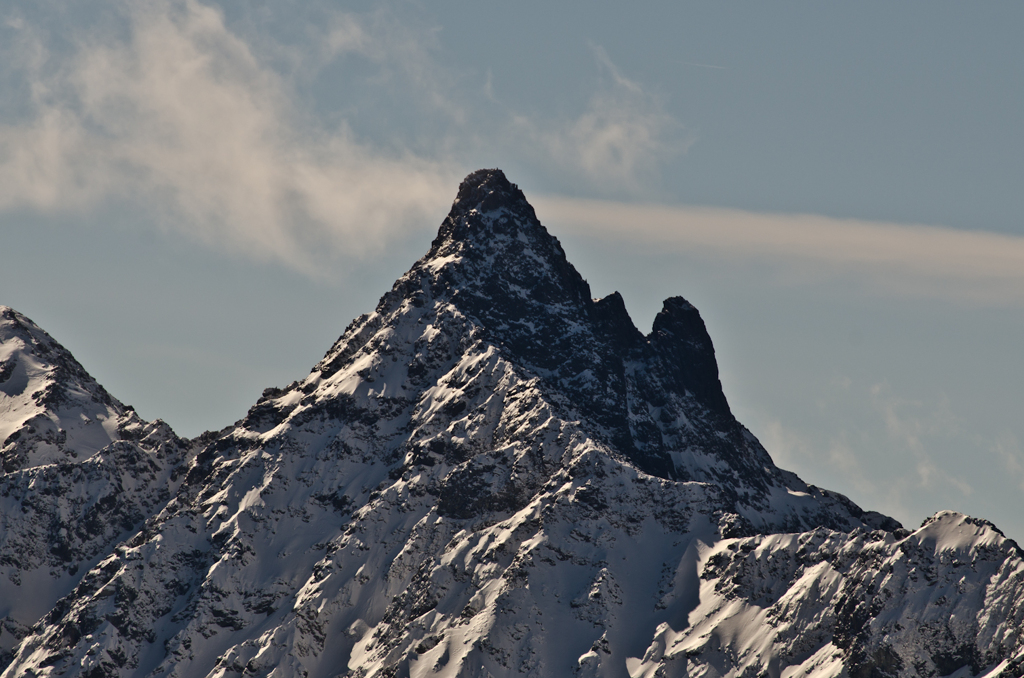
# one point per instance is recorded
(197, 197)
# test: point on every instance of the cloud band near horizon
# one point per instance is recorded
(888, 258)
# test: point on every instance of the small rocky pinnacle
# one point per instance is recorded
(486, 190)
(481, 193)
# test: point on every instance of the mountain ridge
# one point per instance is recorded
(494, 473)
(81, 472)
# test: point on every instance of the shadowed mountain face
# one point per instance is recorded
(495, 474)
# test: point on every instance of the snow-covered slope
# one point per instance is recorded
(495, 474)
(51, 410)
(80, 472)
(947, 599)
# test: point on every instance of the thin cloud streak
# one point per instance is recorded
(890, 258)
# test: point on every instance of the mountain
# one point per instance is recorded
(495, 474)
(53, 411)
(81, 472)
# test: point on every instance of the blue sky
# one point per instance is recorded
(197, 198)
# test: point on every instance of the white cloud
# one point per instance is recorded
(347, 35)
(182, 117)
(792, 449)
(889, 258)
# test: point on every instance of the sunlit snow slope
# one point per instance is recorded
(494, 474)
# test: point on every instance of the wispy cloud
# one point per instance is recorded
(404, 54)
(909, 424)
(211, 133)
(889, 258)
(837, 462)
(182, 117)
(896, 460)
(791, 449)
(1007, 449)
(619, 141)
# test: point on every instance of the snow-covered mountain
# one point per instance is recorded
(494, 474)
(81, 472)
(52, 411)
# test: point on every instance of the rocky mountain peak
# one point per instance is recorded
(79, 472)
(492, 474)
(497, 269)
(487, 190)
(495, 262)
(493, 247)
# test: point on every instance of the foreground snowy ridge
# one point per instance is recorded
(492, 474)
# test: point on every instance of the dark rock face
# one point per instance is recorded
(512, 276)
(680, 340)
(495, 262)
(493, 474)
